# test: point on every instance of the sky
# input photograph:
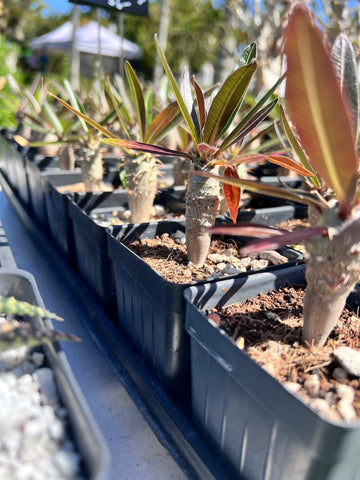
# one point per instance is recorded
(58, 7)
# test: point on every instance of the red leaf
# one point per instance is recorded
(317, 107)
(232, 194)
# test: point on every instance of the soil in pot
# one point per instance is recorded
(168, 257)
(268, 327)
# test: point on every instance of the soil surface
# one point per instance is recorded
(268, 327)
(168, 256)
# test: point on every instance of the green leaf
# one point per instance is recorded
(195, 134)
(248, 54)
(75, 104)
(149, 102)
(299, 152)
(165, 121)
(138, 97)
(226, 102)
(317, 108)
(87, 119)
(121, 112)
(52, 118)
(344, 60)
(241, 130)
(251, 114)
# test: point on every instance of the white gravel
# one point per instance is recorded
(33, 439)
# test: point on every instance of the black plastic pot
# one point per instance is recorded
(261, 429)
(151, 310)
(12, 163)
(57, 210)
(82, 428)
(38, 183)
(91, 244)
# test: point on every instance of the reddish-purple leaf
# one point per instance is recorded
(232, 193)
(289, 164)
(143, 147)
(201, 102)
(247, 230)
(317, 108)
(277, 240)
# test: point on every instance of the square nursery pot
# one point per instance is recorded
(12, 163)
(57, 210)
(91, 244)
(37, 181)
(81, 428)
(151, 310)
(261, 430)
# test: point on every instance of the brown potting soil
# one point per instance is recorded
(169, 258)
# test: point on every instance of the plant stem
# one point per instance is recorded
(141, 179)
(333, 269)
(202, 204)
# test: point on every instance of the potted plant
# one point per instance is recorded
(144, 120)
(269, 419)
(155, 320)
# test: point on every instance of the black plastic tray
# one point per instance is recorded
(170, 421)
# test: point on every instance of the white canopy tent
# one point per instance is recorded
(90, 42)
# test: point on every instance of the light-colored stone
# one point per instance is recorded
(346, 410)
(293, 387)
(312, 385)
(273, 257)
(258, 264)
(346, 393)
(349, 359)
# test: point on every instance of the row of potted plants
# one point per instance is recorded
(235, 403)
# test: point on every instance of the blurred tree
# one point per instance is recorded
(263, 21)
(192, 35)
(23, 19)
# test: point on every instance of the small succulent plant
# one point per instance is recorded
(14, 334)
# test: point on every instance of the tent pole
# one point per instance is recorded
(99, 60)
(75, 54)
(121, 33)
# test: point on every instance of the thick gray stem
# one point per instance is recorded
(141, 179)
(202, 204)
(67, 158)
(92, 169)
(332, 270)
